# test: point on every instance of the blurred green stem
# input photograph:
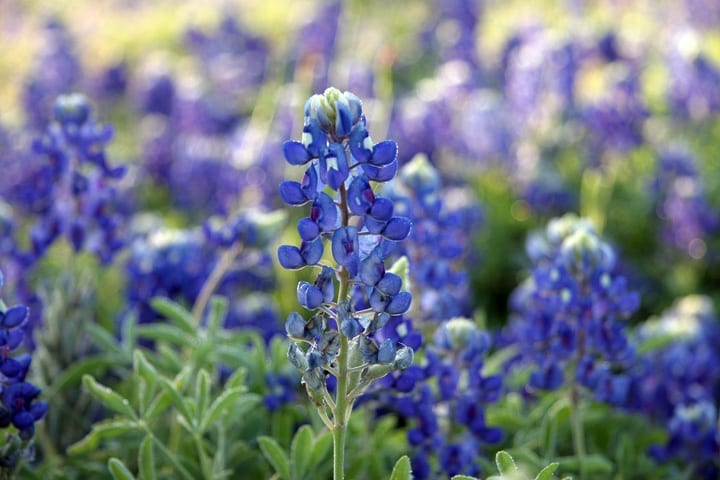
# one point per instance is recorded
(216, 276)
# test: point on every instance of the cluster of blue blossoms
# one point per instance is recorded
(362, 231)
(20, 406)
(177, 263)
(73, 193)
(677, 384)
(448, 423)
(569, 312)
(444, 220)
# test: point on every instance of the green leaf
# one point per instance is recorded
(118, 470)
(463, 477)
(237, 379)
(402, 469)
(177, 399)
(202, 391)
(320, 450)
(102, 338)
(218, 311)
(146, 459)
(275, 455)
(505, 463)
(101, 431)
(144, 368)
(548, 472)
(594, 464)
(75, 373)
(175, 313)
(167, 333)
(235, 399)
(108, 397)
(300, 450)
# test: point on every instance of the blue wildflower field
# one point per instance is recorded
(360, 239)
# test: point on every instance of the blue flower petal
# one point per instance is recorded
(295, 153)
(292, 193)
(15, 316)
(384, 153)
(398, 228)
(290, 257)
(400, 303)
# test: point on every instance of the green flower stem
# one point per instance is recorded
(216, 276)
(340, 415)
(575, 400)
(577, 429)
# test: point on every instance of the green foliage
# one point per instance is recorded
(172, 403)
(402, 469)
(308, 457)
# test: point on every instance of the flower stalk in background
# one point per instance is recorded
(356, 295)
(19, 406)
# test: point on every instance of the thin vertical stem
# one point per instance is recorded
(341, 408)
(577, 428)
(213, 281)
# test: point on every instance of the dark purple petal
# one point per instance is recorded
(10, 367)
(15, 316)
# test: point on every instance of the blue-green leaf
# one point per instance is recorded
(505, 463)
(548, 472)
(300, 450)
(233, 398)
(146, 459)
(177, 399)
(202, 391)
(101, 431)
(165, 332)
(402, 469)
(175, 313)
(108, 397)
(275, 455)
(118, 470)
(321, 448)
(144, 368)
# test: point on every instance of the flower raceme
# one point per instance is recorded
(357, 295)
(18, 406)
